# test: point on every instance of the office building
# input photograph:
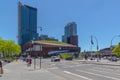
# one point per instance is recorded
(70, 35)
(46, 37)
(27, 24)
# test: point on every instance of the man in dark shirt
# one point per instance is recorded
(0, 63)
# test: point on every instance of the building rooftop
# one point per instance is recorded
(55, 43)
(30, 7)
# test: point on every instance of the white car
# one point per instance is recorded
(55, 58)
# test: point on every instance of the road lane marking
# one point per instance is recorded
(103, 68)
(6, 70)
(53, 64)
(103, 71)
(98, 75)
(77, 75)
(53, 68)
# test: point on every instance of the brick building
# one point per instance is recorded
(41, 48)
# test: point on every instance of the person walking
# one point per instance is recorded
(29, 62)
(1, 69)
(86, 57)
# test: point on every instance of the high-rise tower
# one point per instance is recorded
(27, 23)
(70, 35)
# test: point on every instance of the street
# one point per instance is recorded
(76, 70)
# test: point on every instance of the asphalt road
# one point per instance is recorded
(72, 70)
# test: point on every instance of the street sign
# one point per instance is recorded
(37, 47)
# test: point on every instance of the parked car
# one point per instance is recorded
(55, 58)
(7, 60)
(114, 59)
(109, 58)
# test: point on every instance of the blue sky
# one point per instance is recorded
(100, 18)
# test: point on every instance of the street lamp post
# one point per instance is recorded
(40, 51)
(34, 55)
(97, 47)
(111, 46)
(91, 46)
(40, 54)
(40, 47)
(32, 45)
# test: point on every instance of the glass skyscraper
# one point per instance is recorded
(70, 35)
(27, 24)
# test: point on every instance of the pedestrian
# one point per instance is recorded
(16, 58)
(29, 62)
(86, 57)
(1, 69)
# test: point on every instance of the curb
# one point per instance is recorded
(104, 64)
(87, 62)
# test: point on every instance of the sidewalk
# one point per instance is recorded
(19, 71)
(100, 62)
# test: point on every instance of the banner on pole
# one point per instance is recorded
(92, 40)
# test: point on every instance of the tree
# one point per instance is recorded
(9, 48)
(17, 51)
(116, 50)
(13, 48)
(97, 53)
(3, 48)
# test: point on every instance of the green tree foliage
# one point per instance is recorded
(17, 50)
(97, 53)
(116, 50)
(3, 46)
(52, 41)
(9, 48)
(81, 55)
